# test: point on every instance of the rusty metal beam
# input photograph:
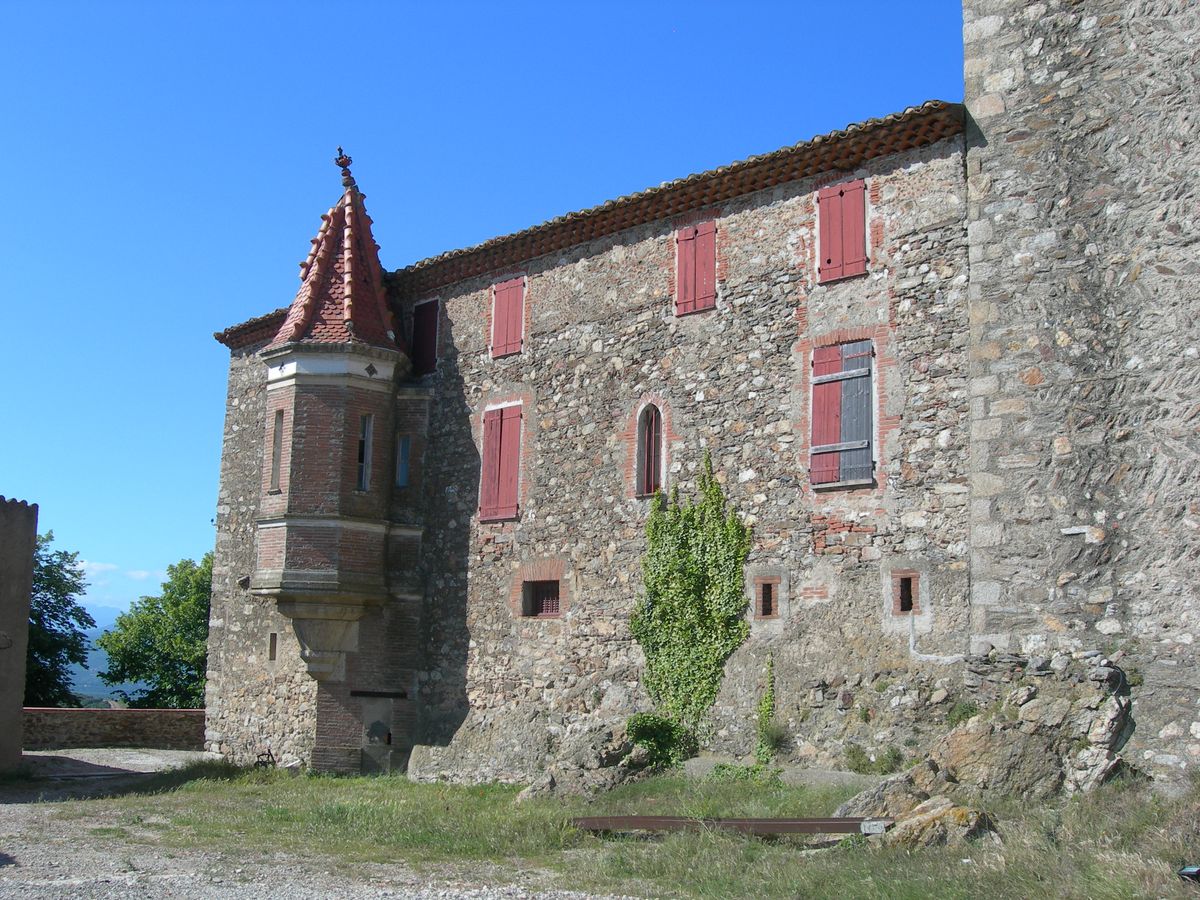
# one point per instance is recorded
(841, 825)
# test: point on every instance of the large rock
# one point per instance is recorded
(1001, 758)
(1091, 767)
(939, 821)
(890, 799)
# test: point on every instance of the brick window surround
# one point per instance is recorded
(842, 445)
(531, 584)
(630, 438)
(906, 593)
(767, 596)
(650, 456)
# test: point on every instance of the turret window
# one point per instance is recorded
(365, 428)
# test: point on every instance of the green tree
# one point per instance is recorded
(163, 641)
(692, 615)
(56, 626)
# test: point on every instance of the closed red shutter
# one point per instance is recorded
(510, 462)
(508, 317)
(424, 344)
(829, 265)
(685, 289)
(854, 229)
(706, 265)
(842, 244)
(489, 473)
(826, 415)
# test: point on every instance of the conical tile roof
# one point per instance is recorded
(341, 297)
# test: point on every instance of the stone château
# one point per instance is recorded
(945, 364)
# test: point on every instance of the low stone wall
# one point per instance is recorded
(160, 729)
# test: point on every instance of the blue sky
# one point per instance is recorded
(167, 163)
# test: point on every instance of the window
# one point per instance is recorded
(842, 246)
(766, 596)
(539, 599)
(425, 337)
(501, 463)
(649, 454)
(508, 317)
(403, 449)
(273, 646)
(276, 449)
(696, 268)
(906, 597)
(841, 415)
(366, 425)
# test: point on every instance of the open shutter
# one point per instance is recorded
(508, 315)
(510, 462)
(489, 475)
(706, 265)
(829, 263)
(424, 350)
(826, 416)
(685, 288)
(854, 228)
(856, 461)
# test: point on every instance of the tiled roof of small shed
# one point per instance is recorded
(838, 151)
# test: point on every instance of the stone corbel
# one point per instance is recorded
(327, 632)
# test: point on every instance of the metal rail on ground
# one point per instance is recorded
(839, 825)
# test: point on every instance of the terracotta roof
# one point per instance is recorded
(838, 151)
(341, 298)
(832, 153)
(252, 331)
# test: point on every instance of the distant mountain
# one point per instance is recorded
(86, 682)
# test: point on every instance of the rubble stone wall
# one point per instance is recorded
(602, 337)
(161, 729)
(1082, 161)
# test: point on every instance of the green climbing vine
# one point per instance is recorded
(764, 747)
(691, 616)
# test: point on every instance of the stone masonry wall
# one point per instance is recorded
(161, 729)
(499, 692)
(253, 703)
(1082, 169)
(18, 540)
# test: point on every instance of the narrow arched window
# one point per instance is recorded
(650, 455)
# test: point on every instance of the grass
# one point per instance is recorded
(1122, 841)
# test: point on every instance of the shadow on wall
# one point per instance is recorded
(451, 493)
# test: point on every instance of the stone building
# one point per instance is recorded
(18, 541)
(944, 363)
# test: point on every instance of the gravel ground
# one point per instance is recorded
(53, 845)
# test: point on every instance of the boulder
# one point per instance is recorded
(1112, 723)
(1090, 768)
(999, 757)
(937, 822)
(890, 799)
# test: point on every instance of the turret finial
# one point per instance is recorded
(344, 161)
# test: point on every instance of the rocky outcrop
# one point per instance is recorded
(939, 821)
(589, 762)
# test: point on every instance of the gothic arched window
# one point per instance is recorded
(650, 454)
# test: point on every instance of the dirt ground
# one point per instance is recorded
(58, 841)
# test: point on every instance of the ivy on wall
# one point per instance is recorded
(692, 615)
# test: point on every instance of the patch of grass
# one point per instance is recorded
(961, 712)
(885, 763)
(882, 685)
(1121, 841)
(757, 773)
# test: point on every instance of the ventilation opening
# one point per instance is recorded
(768, 599)
(906, 594)
(273, 647)
(539, 599)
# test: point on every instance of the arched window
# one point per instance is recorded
(650, 455)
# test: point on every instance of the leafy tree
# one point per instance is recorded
(163, 641)
(692, 615)
(56, 626)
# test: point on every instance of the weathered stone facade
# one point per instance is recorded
(18, 540)
(1030, 343)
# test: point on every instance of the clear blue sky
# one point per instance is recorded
(167, 163)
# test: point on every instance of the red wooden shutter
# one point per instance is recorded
(685, 288)
(508, 315)
(826, 415)
(510, 462)
(706, 265)
(489, 474)
(829, 265)
(854, 228)
(424, 349)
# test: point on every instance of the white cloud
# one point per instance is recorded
(95, 568)
(138, 574)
